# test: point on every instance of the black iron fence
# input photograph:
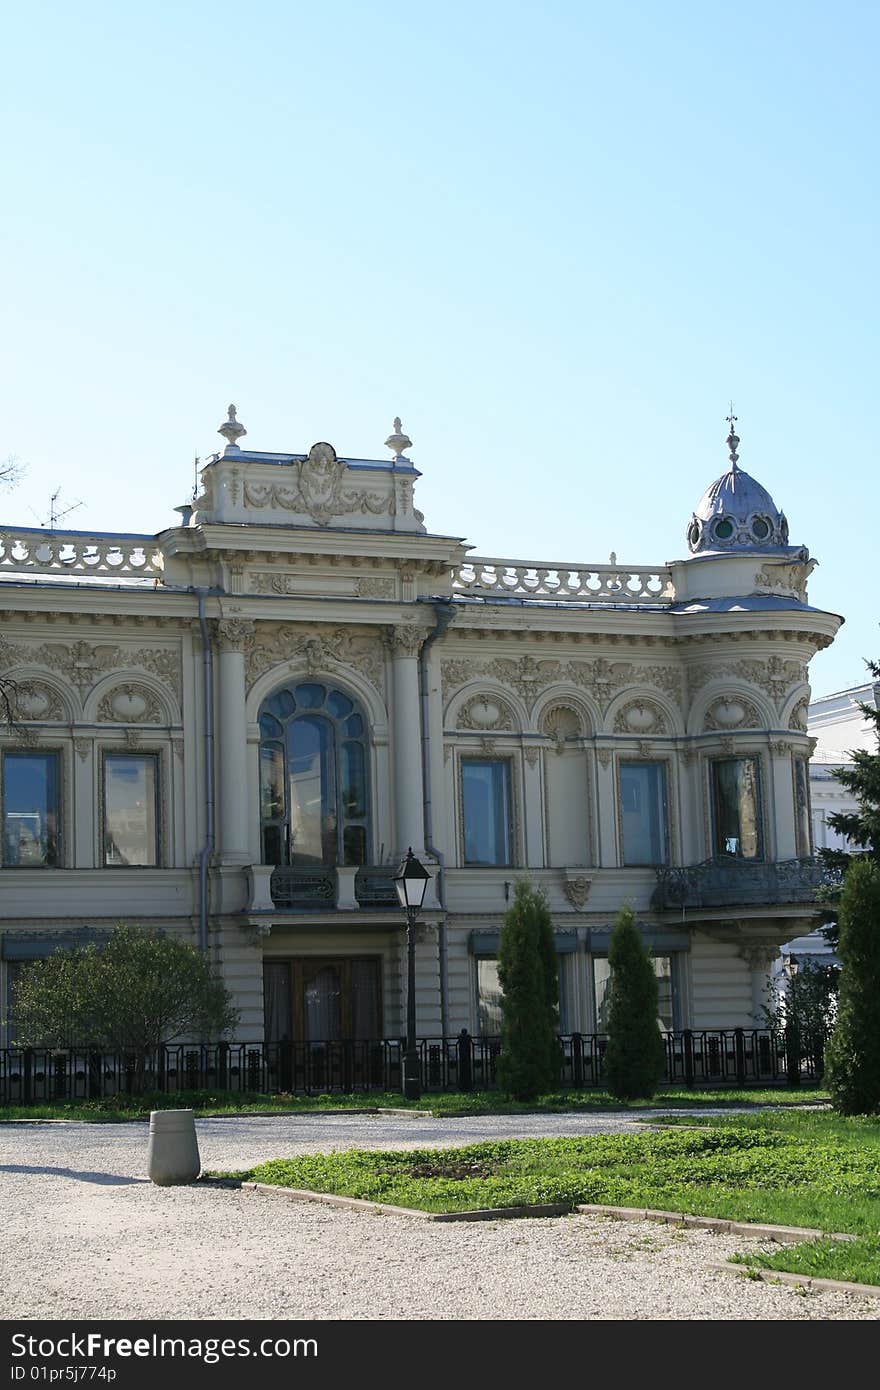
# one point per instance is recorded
(694, 1057)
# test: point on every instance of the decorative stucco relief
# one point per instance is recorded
(318, 491)
(32, 699)
(485, 712)
(640, 717)
(561, 722)
(798, 718)
(577, 890)
(777, 675)
(529, 676)
(733, 713)
(789, 580)
(130, 704)
(322, 649)
(84, 663)
(375, 588)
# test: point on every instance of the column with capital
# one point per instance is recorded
(233, 635)
(760, 956)
(404, 643)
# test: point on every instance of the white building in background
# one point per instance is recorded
(234, 729)
(839, 728)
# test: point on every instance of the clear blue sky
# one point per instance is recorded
(555, 238)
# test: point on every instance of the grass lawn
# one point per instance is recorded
(114, 1109)
(823, 1176)
(857, 1261)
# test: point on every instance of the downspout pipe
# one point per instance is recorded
(444, 612)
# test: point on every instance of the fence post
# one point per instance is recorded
(739, 1052)
(793, 1051)
(465, 1061)
(28, 1078)
(577, 1062)
(223, 1066)
(687, 1039)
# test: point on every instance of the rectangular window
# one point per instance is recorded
(131, 831)
(485, 789)
(31, 810)
(643, 813)
(667, 1002)
(736, 804)
(803, 840)
(489, 995)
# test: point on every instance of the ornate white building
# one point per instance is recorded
(234, 729)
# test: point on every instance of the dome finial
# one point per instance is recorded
(732, 440)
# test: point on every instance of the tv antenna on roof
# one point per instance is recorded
(56, 515)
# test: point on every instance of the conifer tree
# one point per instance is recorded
(528, 974)
(635, 1058)
(852, 1059)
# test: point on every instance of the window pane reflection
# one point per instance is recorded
(130, 828)
(30, 810)
(663, 969)
(643, 813)
(486, 804)
(736, 797)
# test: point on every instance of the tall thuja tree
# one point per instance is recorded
(528, 974)
(635, 1058)
(852, 1060)
(861, 777)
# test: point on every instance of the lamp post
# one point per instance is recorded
(411, 880)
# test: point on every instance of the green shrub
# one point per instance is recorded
(530, 1058)
(635, 1059)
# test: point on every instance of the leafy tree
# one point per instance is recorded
(635, 1058)
(140, 990)
(805, 1014)
(530, 1057)
(852, 1060)
(861, 776)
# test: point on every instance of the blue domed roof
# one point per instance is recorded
(736, 513)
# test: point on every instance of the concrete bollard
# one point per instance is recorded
(173, 1153)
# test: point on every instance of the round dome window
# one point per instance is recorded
(723, 529)
(760, 528)
(694, 534)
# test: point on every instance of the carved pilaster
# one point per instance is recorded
(405, 639)
(234, 634)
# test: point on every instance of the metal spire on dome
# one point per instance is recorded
(732, 440)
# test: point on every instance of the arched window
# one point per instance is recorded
(313, 777)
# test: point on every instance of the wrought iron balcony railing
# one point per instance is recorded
(317, 889)
(739, 883)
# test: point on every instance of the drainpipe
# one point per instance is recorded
(444, 612)
(208, 697)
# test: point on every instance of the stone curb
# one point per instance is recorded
(783, 1235)
(802, 1281)
(302, 1194)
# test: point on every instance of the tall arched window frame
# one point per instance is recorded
(314, 793)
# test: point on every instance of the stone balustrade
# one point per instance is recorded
(27, 550)
(623, 584)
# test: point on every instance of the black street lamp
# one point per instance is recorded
(411, 880)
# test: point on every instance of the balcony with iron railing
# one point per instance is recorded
(740, 883)
(307, 889)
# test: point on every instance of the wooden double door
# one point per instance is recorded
(322, 998)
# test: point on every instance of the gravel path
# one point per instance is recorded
(85, 1235)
